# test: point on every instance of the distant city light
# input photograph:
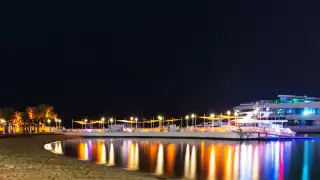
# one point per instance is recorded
(212, 115)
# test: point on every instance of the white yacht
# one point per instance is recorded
(300, 113)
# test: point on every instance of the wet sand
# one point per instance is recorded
(24, 158)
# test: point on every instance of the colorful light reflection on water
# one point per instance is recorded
(198, 159)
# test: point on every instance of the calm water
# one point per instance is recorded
(201, 159)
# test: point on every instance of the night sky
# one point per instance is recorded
(123, 58)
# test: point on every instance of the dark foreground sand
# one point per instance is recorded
(24, 158)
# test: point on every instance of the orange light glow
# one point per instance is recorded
(159, 167)
(202, 157)
(83, 151)
(228, 164)
(111, 155)
(101, 152)
(212, 165)
(171, 154)
(153, 156)
(133, 161)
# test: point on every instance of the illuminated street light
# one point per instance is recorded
(194, 120)
(131, 118)
(187, 118)
(56, 121)
(85, 125)
(49, 122)
(228, 113)
(161, 118)
(111, 120)
(136, 119)
(102, 124)
(212, 115)
(59, 121)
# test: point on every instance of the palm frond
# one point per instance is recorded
(31, 112)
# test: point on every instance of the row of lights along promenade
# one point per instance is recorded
(160, 120)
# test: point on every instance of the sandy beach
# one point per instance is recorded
(24, 158)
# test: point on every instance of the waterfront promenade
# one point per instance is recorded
(24, 158)
(224, 132)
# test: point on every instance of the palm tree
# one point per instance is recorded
(31, 114)
(17, 119)
(40, 114)
(7, 115)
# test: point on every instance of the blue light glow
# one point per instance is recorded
(306, 112)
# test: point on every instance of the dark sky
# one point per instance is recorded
(93, 58)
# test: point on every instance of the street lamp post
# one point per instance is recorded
(111, 121)
(193, 116)
(49, 122)
(131, 119)
(102, 120)
(228, 113)
(212, 116)
(136, 119)
(56, 122)
(85, 123)
(59, 123)
(160, 118)
(187, 118)
(3, 126)
(204, 120)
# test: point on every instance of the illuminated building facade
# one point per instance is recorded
(298, 110)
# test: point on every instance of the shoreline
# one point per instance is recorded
(24, 158)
